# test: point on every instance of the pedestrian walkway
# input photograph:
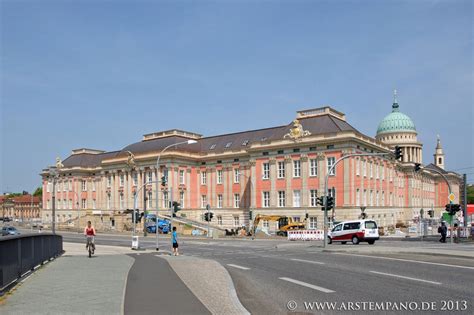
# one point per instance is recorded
(118, 280)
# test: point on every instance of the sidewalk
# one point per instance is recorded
(118, 280)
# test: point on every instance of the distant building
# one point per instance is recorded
(277, 170)
(21, 208)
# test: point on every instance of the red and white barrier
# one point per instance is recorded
(306, 235)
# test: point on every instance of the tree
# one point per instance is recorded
(38, 192)
(470, 194)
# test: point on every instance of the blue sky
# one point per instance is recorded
(100, 74)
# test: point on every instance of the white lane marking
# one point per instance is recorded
(403, 277)
(308, 261)
(239, 267)
(308, 285)
(409, 260)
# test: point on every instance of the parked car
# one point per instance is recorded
(9, 230)
(354, 231)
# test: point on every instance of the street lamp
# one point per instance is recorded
(190, 141)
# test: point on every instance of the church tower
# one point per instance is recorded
(439, 155)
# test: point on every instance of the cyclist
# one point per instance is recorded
(89, 232)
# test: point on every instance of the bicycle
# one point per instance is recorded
(90, 245)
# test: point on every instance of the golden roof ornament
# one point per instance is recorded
(297, 132)
(59, 163)
(131, 160)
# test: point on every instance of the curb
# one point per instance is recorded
(397, 252)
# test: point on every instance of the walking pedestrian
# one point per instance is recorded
(443, 230)
(174, 239)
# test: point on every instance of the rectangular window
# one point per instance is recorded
(377, 198)
(297, 168)
(236, 221)
(181, 177)
(266, 199)
(332, 193)
(364, 168)
(219, 220)
(281, 199)
(83, 185)
(109, 197)
(48, 185)
(181, 199)
(377, 171)
(383, 198)
(382, 171)
(331, 161)
(266, 171)
(313, 198)
(203, 178)
(296, 198)
(265, 224)
(70, 204)
(313, 167)
(93, 185)
(281, 169)
(357, 162)
(150, 177)
(371, 198)
(358, 197)
(219, 176)
(150, 200)
(121, 180)
(391, 175)
(135, 179)
(121, 201)
(364, 197)
(236, 201)
(93, 204)
(236, 175)
(203, 201)
(219, 201)
(166, 200)
(313, 223)
(83, 203)
(371, 171)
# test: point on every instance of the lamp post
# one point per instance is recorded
(190, 141)
(333, 167)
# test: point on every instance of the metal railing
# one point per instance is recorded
(21, 254)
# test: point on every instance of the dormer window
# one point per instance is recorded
(245, 142)
(228, 144)
(212, 147)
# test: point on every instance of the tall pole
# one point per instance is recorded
(157, 191)
(333, 167)
(450, 191)
(53, 224)
(464, 202)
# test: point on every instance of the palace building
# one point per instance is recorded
(279, 171)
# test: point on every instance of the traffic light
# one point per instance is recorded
(320, 201)
(431, 213)
(330, 203)
(250, 215)
(455, 208)
(208, 216)
(163, 181)
(306, 215)
(448, 208)
(176, 207)
(417, 167)
(398, 153)
(138, 215)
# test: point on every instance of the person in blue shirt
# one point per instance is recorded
(174, 239)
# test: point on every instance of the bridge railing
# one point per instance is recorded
(20, 254)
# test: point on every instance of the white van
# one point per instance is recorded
(354, 231)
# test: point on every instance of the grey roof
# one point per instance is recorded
(87, 159)
(323, 124)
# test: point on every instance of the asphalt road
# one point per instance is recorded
(271, 280)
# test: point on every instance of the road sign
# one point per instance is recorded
(451, 197)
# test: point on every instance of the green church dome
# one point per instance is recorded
(396, 122)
